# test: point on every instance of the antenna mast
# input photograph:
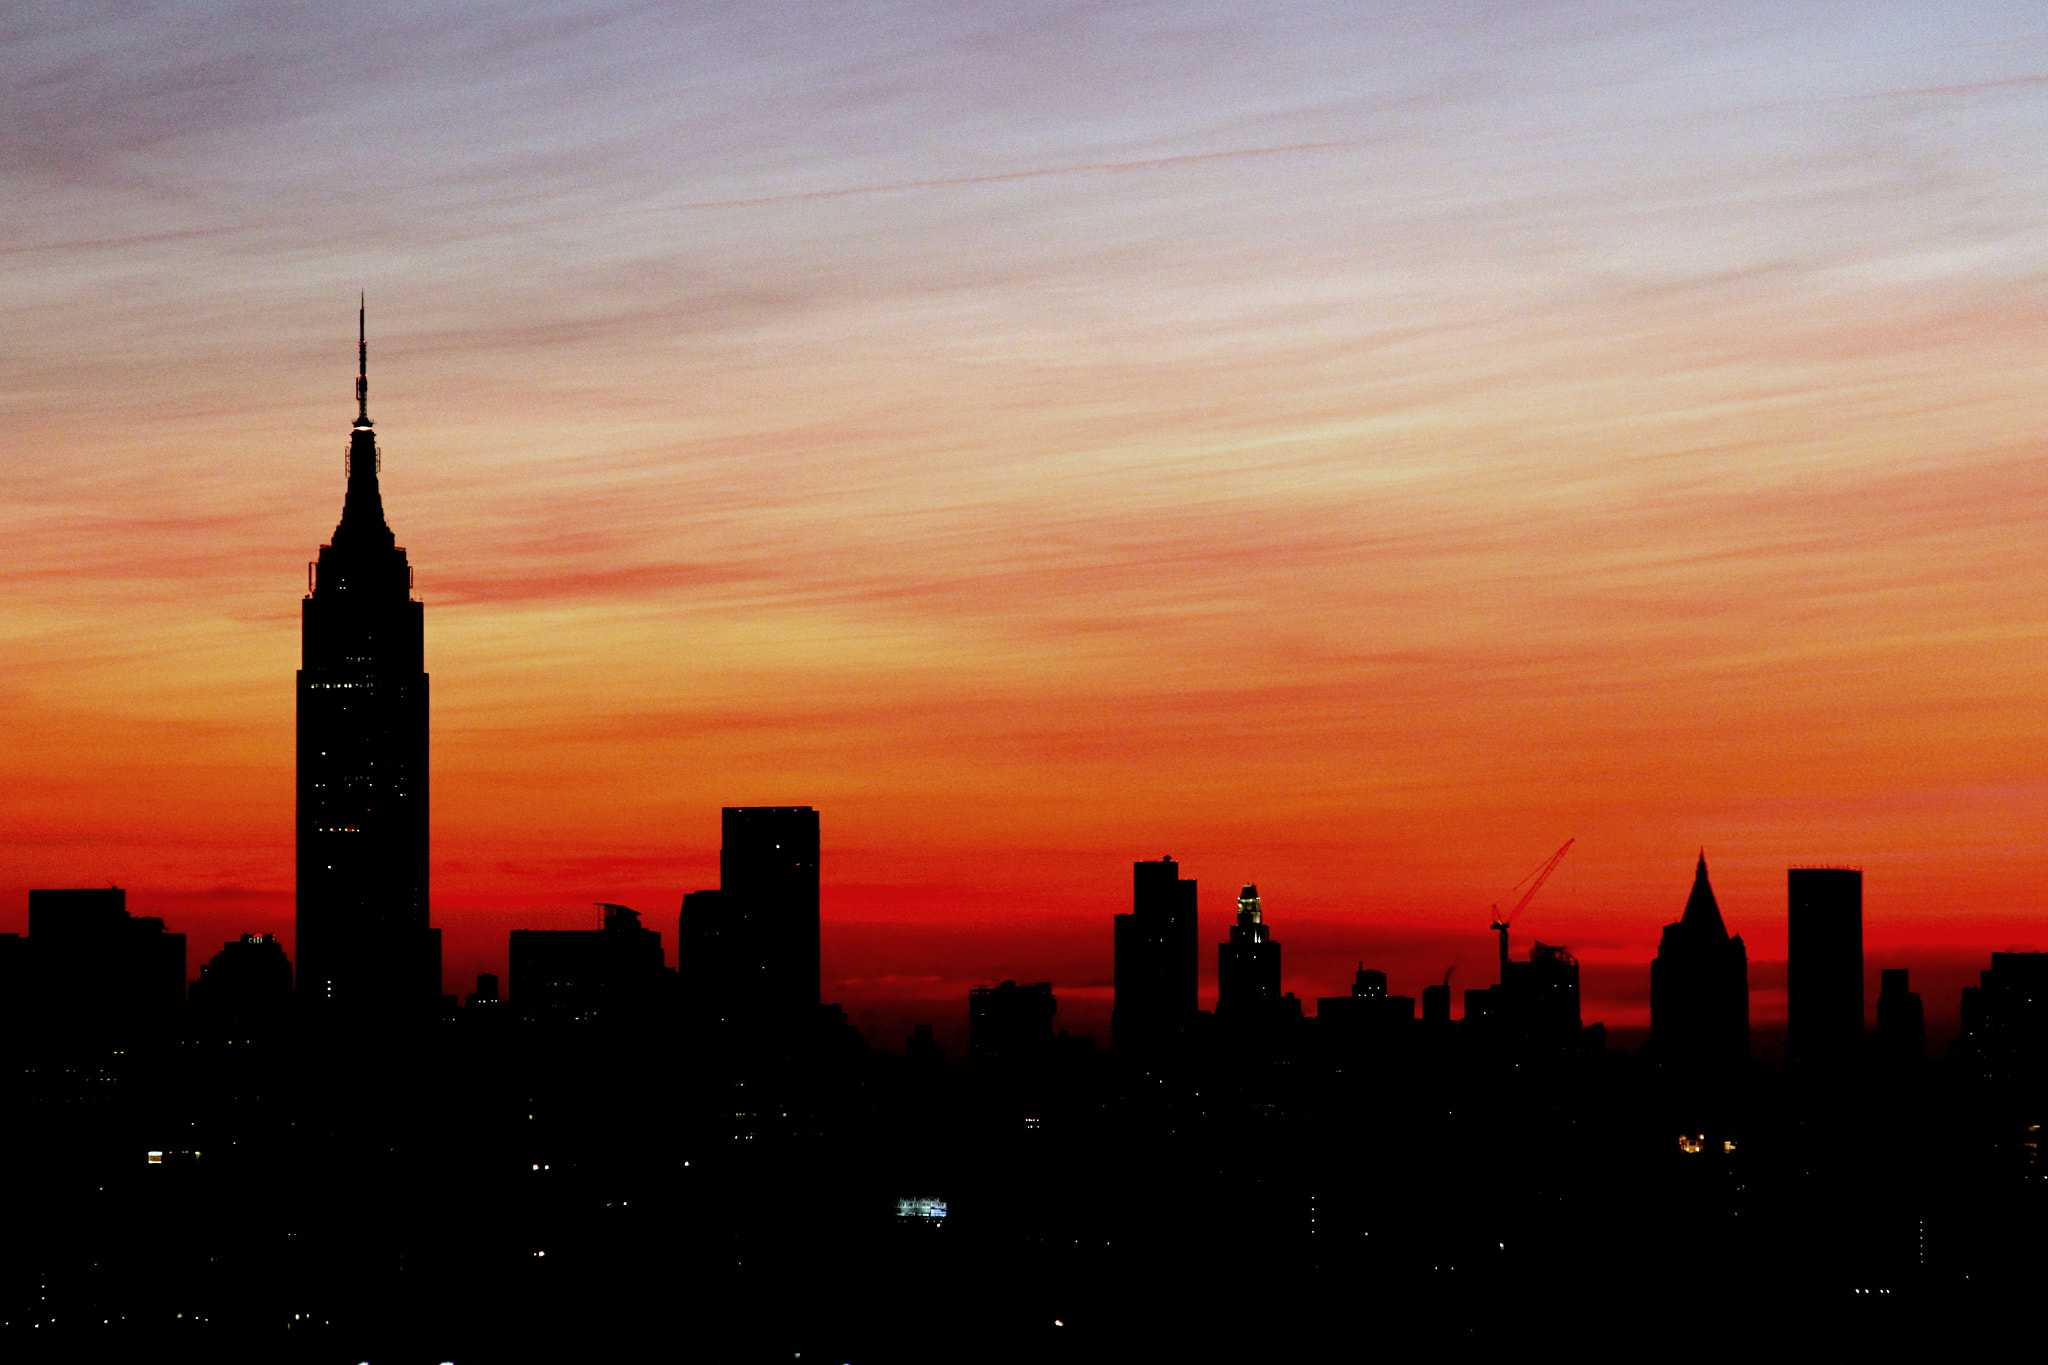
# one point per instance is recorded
(362, 362)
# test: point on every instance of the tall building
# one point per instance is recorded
(1824, 966)
(1901, 1019)
(1250, 1008)
(364, 942)
(1248, 963)
(768, 869)
(1157, 963)
(1699, 988)
(747, 953)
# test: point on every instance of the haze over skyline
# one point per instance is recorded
(1350, 454)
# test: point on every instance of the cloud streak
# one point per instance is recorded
(1157, 163)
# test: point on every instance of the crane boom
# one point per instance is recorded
(1541, 875)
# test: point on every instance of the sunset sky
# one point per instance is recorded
(1348, 448)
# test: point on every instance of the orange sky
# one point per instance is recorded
(1611, 421)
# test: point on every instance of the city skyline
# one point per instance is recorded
(883, 1014)
(1395, 649)
(1295, 476)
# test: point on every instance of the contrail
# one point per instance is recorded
(1090, 168)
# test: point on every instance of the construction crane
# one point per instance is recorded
(1535, 881)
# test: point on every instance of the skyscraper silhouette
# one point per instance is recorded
(1248, 964)
(768, 871)
(1157, 962)
(1824, 966)
(748, 951)
(364, 941)
(1901, 1019)
(1699, 988)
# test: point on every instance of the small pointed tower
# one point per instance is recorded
(1699, 988)
(364, 945)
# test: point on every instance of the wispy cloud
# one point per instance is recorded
(1157, 163)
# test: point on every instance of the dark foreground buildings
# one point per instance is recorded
(1010, 1024)
(1533, 1010)
(586, 1171)
(1368, 1019)
(2005, 1020)
(245, 986)
(588, 973)
(365, 947)
(90, 976)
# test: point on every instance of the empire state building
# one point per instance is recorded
(364, 942)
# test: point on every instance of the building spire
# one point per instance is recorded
(362, 361)
(362, 512)
(1702, 915)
